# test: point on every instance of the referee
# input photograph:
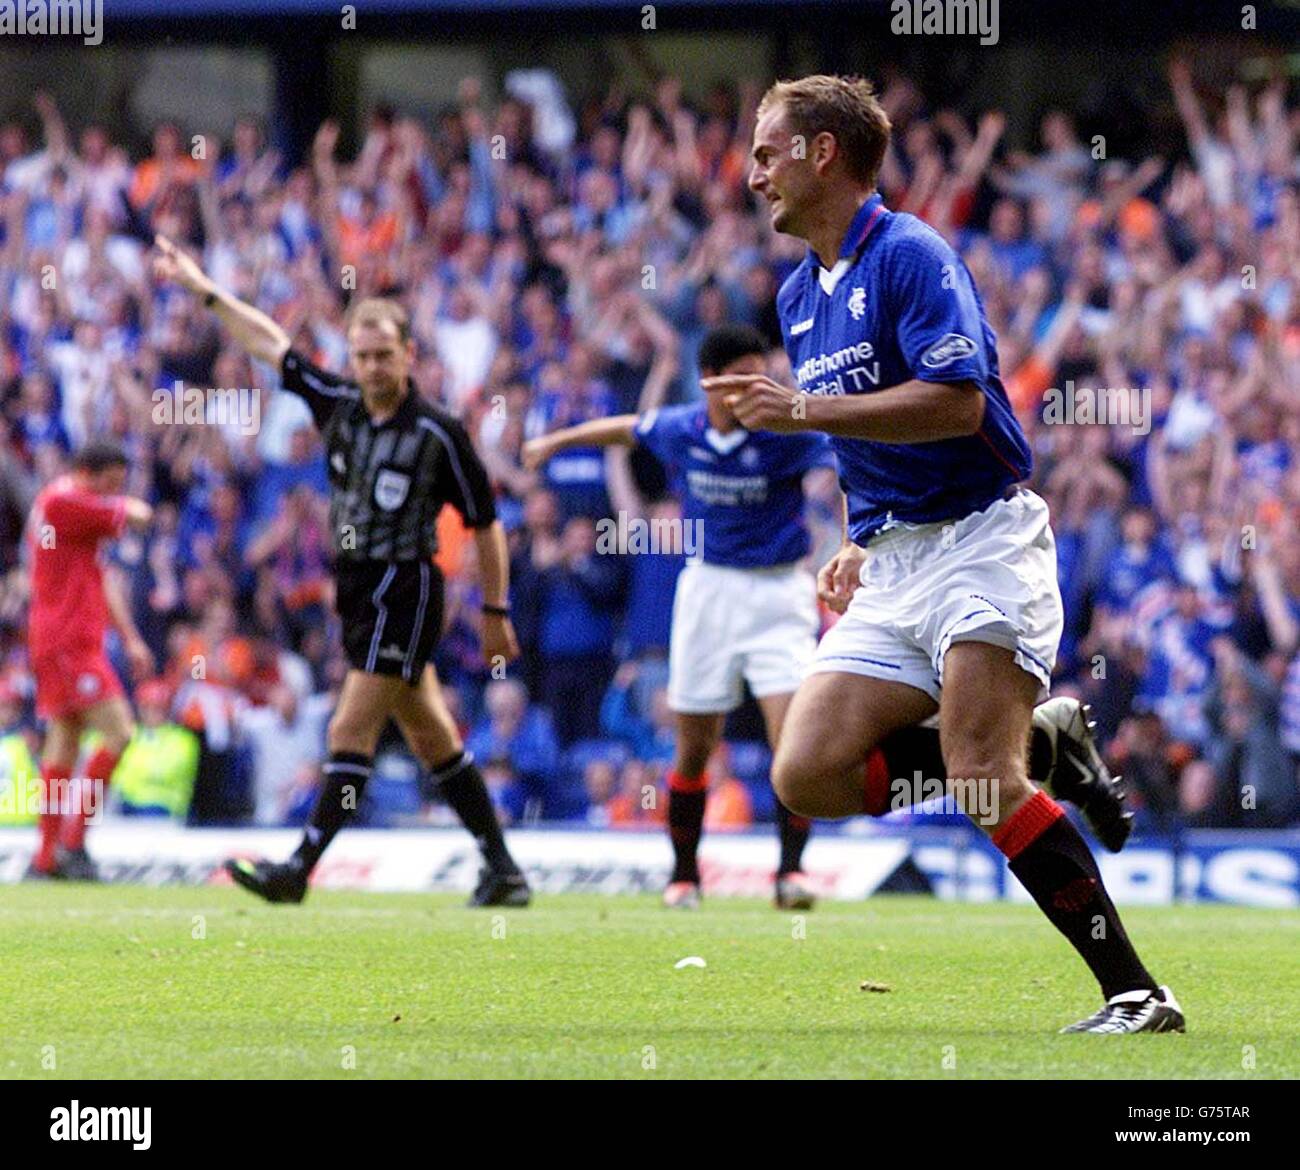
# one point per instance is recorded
(394, 461)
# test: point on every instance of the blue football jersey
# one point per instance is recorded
(745, 487)
(899, 305)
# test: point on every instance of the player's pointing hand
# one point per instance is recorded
(759, 403)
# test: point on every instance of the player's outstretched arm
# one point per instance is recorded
(911, 412)
(620, 430)
(250, 327)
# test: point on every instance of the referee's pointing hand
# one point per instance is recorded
(176, 267)
(759, 403)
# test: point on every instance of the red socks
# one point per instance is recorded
(99, 768)
(54, 786)
(875, 785)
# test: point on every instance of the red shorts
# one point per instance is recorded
(69, 681)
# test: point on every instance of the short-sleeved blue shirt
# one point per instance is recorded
(901, 305)
(745, 486)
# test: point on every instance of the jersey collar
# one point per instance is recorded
(860, 227)
(725, 444)
(722, 444)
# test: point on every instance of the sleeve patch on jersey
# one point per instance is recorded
(949, 348)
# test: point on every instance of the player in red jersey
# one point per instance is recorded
(77, 689)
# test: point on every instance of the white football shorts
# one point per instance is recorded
(988, 577)
(732, 626)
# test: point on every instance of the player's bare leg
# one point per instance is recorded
(431, 734)
(834, 725)
(697, 736)
(984, 719)
(792, 889)
(58, 758)
(823, 762)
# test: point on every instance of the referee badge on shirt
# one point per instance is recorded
(391, 489)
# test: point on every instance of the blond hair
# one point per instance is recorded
(846, 107)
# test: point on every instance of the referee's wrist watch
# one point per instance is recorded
(496, 610)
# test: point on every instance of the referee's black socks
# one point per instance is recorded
(461, 785)
(345, 776)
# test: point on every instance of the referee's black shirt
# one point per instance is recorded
(389, 480)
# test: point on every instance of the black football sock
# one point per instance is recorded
(909, 750)
(345, 776)
(686, 799)
(1040, 754)
(917, 748)
(794, 832)
(1047, 854)
(462, 787)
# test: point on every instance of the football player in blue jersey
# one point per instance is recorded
(947, 575)
(744, 608)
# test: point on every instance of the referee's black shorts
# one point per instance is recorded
(391, 615)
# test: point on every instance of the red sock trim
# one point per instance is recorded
(679, 783)
(1029, 822)
(875, 786)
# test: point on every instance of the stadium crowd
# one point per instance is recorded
(561, 264)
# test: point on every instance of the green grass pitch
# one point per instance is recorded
(132, 982)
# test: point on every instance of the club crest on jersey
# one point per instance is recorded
(857, 303)
(948, 349)
(749, 458)
(391, 488)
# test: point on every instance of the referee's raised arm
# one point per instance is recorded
(250, 327)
